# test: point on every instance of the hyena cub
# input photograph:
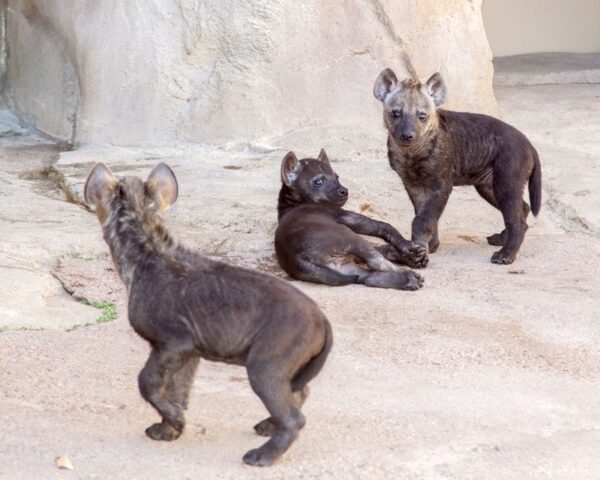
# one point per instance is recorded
(317, 241)
(190, 307)
(434, 149)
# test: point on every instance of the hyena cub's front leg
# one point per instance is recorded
(383, 273)
(429, 206)
(164, 382)
(399, 249)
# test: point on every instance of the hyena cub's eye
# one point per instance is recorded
(396, 113)
(422, 116)
(318, 182)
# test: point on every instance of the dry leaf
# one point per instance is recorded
(63, 462)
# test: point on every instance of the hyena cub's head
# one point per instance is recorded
(130, 195)
(409, 107)
(312, 180)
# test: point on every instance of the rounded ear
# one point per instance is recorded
(323, 157)
(100, 181)
(289, 169)
(436, 88)
(162, 185)
(385, 83)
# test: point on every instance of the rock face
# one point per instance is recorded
(175, 71)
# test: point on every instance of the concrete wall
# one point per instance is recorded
(156, 72)
(528, 26)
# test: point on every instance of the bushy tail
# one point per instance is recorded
(314, 366)
(535, 185)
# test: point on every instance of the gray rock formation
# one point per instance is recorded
(174, 71)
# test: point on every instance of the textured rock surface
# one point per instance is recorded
(36, 225)
(164, 71)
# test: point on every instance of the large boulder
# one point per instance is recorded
(174, 71)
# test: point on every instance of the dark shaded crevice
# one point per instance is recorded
(384, 19)
(54, 179)
(13, 99)
(3, 51)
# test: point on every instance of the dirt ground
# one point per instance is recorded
(488, 372)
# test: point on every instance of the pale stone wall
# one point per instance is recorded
(516, 27)
(157, 72)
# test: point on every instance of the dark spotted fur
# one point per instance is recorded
(318, 241)
(190, 307)
(434, 150)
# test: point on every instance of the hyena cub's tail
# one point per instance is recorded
(535, 185)
(315, 364)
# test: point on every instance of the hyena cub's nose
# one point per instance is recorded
(407, 137)
(342, 192)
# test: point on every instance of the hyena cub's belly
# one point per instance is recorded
(346, 264)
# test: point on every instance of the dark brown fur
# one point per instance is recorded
(434, 150)
(190, 307)
(317, 241)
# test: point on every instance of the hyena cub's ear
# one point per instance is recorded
(323, 157)
(290, 169)
(99, 182)
(385, 83)
(98, 187)
(162, 185)
(436, 88)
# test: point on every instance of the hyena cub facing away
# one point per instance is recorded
(190, 307)
(434, 149)
(317, 241)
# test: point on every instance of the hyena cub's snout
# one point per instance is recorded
(313, 180)
(409, 107)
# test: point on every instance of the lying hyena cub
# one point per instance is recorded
(190, 307)
(317, 241)
(434, 149)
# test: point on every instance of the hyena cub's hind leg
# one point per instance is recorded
(179, 386)
(487, 192)
(383, 273)
(310, 271)
(269, 382)
(165, 382)
(268, 426)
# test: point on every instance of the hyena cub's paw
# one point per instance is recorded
(407, 253)
(498, 239)
(411, 280)
(259, 457)
(266, 428)
(503, 258)
(163, 431)
(418, 255)
(414, 255)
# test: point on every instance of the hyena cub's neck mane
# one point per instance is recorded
(288, 200)
(135, 236)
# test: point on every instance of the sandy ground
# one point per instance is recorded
(488, 372)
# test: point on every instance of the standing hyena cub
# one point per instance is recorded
(318, 241)
(434, 149)
(190, 307)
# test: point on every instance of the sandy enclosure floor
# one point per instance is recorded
(488, 372)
